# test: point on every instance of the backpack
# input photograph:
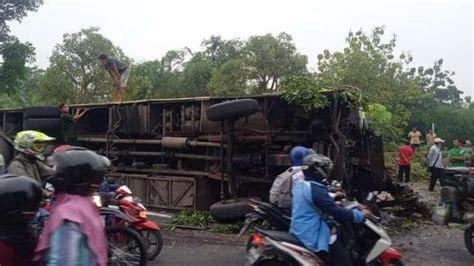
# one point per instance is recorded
(280, 193)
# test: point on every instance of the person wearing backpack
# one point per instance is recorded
(280, 192)
(311, 203)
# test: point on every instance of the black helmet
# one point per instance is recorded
(78, 170)
(20, 198)
(317, 166)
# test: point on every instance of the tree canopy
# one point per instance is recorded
(15, 54)
(395, 93)
(74, 74)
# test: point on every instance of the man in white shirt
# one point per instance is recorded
(435, 162)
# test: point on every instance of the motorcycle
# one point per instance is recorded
(368, 243)
(280, 219)
(457, 201)
(126, 246)
(469, 235)
(137, 220)
(273, 217)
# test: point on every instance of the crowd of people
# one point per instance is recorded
(74, 233)
(461, 155)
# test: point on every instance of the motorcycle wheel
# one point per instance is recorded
(153, 242)
(469, 238)
(125, 247)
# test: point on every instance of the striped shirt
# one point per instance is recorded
(68, 247)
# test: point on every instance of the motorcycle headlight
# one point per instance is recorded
(142, 214)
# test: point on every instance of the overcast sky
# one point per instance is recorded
(146, 29)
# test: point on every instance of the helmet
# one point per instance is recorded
(20, 198)
(317, 166)
(298, 153)
(78, 170)
(32, 143)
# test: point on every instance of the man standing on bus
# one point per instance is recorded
(119, 72)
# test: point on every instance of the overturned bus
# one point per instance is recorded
(192, 152)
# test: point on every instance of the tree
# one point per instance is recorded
(272, 58)
(14, 53)
(13, 70)
(218, 51)
(234, 78)
(438, 83)
(196, 75)
(304, 91)
(26, 94)
(15, 10)
(369, 64)
(74, 74)
(257, 67)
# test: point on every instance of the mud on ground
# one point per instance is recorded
(422, 244)
(430, 244)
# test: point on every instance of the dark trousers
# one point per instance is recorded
(414, 146)
(435, 175)
(338, 254)
(404, 170)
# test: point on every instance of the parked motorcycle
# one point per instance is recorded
(368, 243)
(457, 201)
(137, 220)
(469, 236)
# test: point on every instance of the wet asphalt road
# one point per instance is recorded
(427, 244)
(185, 247)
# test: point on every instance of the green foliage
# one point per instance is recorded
(26, 93)
(225, 228)
(195, 77)
(218, 51)
(367, 73)
(146, 81)
(139, 87)
(15, 10)
(256, 67)
(188, 217)
(74, 74)
(382, 122)
(14, 53)
(13, 70)
(438, 83)
(451, 121)
(232, 79)
(272, 58)
(303, 90)
(418, 166)
(369, 63)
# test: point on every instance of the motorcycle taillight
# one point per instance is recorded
(257, 240)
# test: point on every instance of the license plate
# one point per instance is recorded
(253, 255)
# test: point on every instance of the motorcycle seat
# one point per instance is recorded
(280, 236)
(272, 207)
